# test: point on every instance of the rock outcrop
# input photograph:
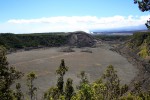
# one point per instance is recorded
(81, 39)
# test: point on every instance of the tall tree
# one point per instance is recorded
(32, 89)
(144, 5)
(83, 79)
(69, 89)
(112, 83)
(52, 94)
(61, 72)
(18, 94)
(57, 93)
(8, 75)
(85, 91)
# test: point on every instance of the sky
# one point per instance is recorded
(34, 16)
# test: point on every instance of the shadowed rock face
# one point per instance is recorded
(81, 39)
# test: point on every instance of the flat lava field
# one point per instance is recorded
(44, 63)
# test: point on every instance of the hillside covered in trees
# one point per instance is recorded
(140, 44)
(38, 40)
(137, 51)
(19, 41)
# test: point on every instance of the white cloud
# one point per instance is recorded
(74, 23)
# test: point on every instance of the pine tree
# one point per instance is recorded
(61, 72)
(8, 75)
(18, 94)
(69, 89)
(32, 89)
(84, 79)
(52, 94)
(112, 83)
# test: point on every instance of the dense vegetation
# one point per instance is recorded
(18, 41)
(8, 75)
(140, 44)
(107, 87)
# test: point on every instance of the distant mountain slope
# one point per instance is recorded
(122, 29)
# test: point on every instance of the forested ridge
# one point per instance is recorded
(37, 40)
(140, 44)
(19, 41)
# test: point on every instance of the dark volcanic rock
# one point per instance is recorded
(81, 39)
